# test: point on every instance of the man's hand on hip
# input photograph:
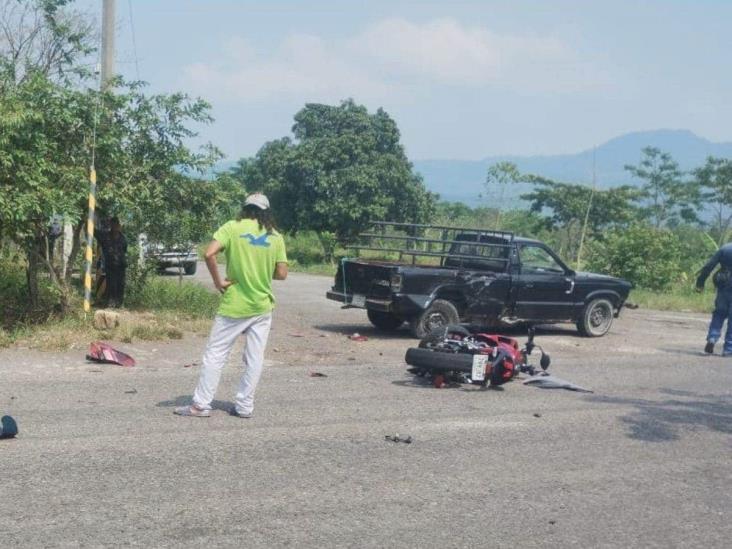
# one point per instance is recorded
(223, 286)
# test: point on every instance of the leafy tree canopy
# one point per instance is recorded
(667, 198)
(48, 134)
(569, 203)
(344, 167)
(714, 179)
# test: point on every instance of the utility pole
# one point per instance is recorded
(108, 10)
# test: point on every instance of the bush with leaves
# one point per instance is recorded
(648, 257)
(697, 246)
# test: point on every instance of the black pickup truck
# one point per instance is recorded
(476, 276)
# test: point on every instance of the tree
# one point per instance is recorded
(715, 182)
(666, 197)
(501, 175)
(568, 206)
(46, 138)
(42, 36)
(208, 204)
(344, 168)
(37, 172)
(647, 256)
(461, 214)
(51, 127)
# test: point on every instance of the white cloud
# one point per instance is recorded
(302, 66)
(388, 59)
(442, 50)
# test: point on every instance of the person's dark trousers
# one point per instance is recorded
(115, 286)
(722, 311)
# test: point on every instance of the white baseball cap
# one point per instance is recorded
(258, 200)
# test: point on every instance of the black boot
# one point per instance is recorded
(709, 348)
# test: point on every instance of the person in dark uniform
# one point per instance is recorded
(723, 302)
(114, 249)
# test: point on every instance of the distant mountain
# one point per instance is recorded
(462, 180)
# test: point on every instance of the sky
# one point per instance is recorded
(462, 79)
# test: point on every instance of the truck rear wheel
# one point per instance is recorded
(596, 319)
(385, 322)
(441, 313)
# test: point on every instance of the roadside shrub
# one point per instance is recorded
(304, 247)
(161, 294)
(14, 306)
(644, 255)
(696, 248)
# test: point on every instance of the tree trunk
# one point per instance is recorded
(328, 241)
(31, 272)
(75, 246)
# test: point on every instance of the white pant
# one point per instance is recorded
(224, 332)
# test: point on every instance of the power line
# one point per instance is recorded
(134, 39)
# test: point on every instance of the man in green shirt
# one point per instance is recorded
(255, 254)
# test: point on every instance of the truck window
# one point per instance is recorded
(490, 258)
(479, 251)
(535, 259)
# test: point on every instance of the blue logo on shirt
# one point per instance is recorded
(259, 241)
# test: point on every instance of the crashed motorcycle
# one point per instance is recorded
(454, 354)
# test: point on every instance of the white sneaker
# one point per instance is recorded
(191, 411)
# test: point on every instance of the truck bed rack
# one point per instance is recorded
(488, 245)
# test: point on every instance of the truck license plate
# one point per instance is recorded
(479, 362)
(358, 300)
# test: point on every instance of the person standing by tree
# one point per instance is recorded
(723, 302)
(255, 254)
(114, 250)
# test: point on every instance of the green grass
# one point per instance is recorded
(160, 294)
(156, 308)
(682, 299)
(14, 308)
(325, 269)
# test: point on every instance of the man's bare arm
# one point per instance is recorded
(281, 271)
(213, 249)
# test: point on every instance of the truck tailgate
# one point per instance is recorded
(367, 279)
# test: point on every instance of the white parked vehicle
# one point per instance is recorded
(185, 257)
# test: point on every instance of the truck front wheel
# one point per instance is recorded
(596, 319)
(385, 322)
(441, 313)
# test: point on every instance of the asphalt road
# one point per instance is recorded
(644, 461)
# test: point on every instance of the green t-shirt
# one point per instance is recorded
(251, 256)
